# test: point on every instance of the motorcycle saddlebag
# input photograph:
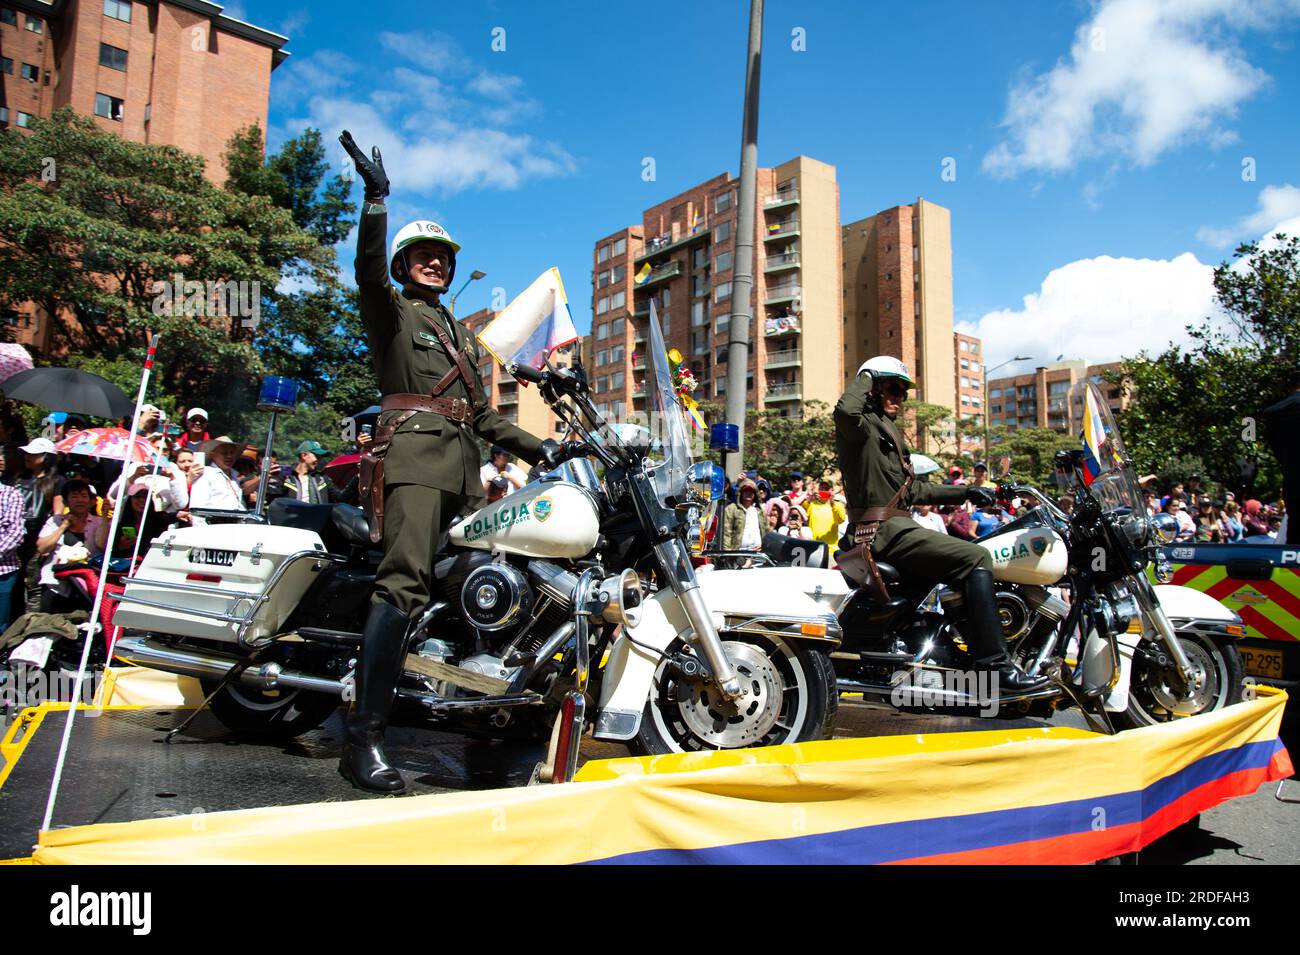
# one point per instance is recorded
(191, 575)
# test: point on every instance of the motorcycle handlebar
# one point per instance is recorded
(527, 373)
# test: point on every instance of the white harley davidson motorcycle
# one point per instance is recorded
(1075, 605)
(539, 609)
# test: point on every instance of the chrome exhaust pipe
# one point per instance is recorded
(141, 651)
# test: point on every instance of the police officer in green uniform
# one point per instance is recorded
(874, 461)
(433, 404)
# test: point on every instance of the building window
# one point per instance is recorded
(618, 273)
(700, 284)
(616, 381)
(720, 356)
(602, 383)
(109, 107)
(4, 116)
(698, 315)
(9, 16)
(723, 232)
(29, 72)
(995, 409)
(34, 25)
(616, 327)
(602, 357)
(723, 262)
(699, 342)
(24, 120)
(602, 254)
(995, 393)
(602, 332)
(722, 292)
(700, 258)
(722, 203)
(965, 362)
(667, 300)
(965, 346)
(602, 306)
(618, 300)
(620, 246)
(602, 279)
(118, 10)
(112, 57)
(965, 399)
(6, 65)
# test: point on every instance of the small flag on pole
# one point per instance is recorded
(532, 326)
(642, 275)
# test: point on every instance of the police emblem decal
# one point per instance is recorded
(542, 509)
(1039, 545)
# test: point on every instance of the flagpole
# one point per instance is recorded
(99, 595)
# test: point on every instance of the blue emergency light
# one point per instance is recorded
(278, 394)
(724, 437)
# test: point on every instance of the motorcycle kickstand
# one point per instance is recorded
(231, 675)
(1098, 723)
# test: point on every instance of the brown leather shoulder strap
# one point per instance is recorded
(462, 369)
(909, 473)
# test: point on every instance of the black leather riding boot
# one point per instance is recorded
(379, 666)
(986, 641)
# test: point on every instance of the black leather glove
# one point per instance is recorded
(981, 496)
(552, 455)
(371, 170)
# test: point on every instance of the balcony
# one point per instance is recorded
(780, 231)
(666, 243)
(781, 262)
(782, 199)
(786, 391)
(664, 272)
(783, 359)
(785, 292)
(638, 362)
(638, 389)
(507, 397)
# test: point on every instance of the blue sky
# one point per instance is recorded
(1099, 147)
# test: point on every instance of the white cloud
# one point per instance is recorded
(438, 131)
(1275, 204)
(1099, 309)
(1142, 76)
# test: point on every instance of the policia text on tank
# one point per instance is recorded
(878, 480)
(423, 465)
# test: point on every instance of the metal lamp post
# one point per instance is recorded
(473, 277)
(985, 409)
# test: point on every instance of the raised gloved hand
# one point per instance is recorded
(371, 170)
(552, 455)
(981, 496)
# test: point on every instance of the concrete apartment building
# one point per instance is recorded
(522, 406)
(688, 244)
(968, 383)
(1051, 396)
(174, 72)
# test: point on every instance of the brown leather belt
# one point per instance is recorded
(867, 515)
(454, 409)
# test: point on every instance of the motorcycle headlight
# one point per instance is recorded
(704, 483)
(1165, 528)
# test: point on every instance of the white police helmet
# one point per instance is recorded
(421, 230)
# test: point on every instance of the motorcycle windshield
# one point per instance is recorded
(1108, 473)
(670, 450)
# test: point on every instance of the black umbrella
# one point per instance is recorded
(71, 390)
(368, 416)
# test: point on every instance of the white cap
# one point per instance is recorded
(39, 446)
(154, 409)
(196, 413)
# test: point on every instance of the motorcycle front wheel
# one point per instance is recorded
(1156, 694)
(790, 697)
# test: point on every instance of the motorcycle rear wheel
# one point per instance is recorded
(273, 714)
(1153, 697)
(792, 698)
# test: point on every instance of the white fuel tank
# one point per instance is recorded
(542, 519)
(1031, 555)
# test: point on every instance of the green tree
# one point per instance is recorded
(1204, 400)
(777, 445)
(126, 238)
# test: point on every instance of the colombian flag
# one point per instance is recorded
(642, 275)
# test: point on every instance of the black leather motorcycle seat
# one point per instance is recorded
(339, 525)
(857, 572)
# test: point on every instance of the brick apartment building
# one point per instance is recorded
(688, 244)
(1051, 396)
(968, 384)
(168, 72)
(174, 72)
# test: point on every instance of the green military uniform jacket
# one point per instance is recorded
(867, 443)
(428, 449)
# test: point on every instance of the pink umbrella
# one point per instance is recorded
(13, 359)
(108, 443)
